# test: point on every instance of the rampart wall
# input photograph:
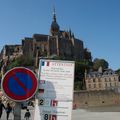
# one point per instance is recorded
(96, 98)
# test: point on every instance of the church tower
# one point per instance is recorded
(54, 29)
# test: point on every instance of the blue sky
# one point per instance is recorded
(96, 22)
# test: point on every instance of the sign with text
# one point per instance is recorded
(55, 94)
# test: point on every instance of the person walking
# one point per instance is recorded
(8, 110)
(27, 114)
(1, 108)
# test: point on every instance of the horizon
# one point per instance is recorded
(96, 23)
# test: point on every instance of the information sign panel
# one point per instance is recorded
(55, 94)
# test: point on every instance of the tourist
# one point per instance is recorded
(27, 114)
(1, 108)
(8, 110)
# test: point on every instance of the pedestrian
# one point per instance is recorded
(1, 108)
(8, 110)
(27, 114)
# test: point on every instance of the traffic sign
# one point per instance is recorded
(19, 84)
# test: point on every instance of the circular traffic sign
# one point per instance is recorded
(19, 84)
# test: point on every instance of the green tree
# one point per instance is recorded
(80, 67)
(118, 71)
(21, 61)
(100, 63)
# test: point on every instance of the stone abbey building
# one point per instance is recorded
(62, 44)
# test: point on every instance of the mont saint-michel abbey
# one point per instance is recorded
(60, 44)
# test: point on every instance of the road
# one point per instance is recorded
(102, 113)
(87, 115)
(22, 114)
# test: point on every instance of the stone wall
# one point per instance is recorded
(96, 98)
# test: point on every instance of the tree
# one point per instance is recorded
(20, 61)
(80, 67)
(100, 63)
(118, 71)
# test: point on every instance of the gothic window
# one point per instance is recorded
(93, 80)
(99, 85)
(86, 103)
(109, 79)
(42, 46)
(53, 46)
(99, 80)
(103, 101)
(105, 80)
(89, 85)
(89, 80)
(45, 47)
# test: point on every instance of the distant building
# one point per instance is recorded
(58, 43)
(101, 80)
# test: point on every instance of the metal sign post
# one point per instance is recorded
(19, 84)
(17, 111)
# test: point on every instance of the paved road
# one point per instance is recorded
(101, 113)
(87, 115)
(22, 114)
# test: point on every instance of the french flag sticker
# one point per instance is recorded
(47, 63)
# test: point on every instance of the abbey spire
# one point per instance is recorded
(54, 15)
(54, 29)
